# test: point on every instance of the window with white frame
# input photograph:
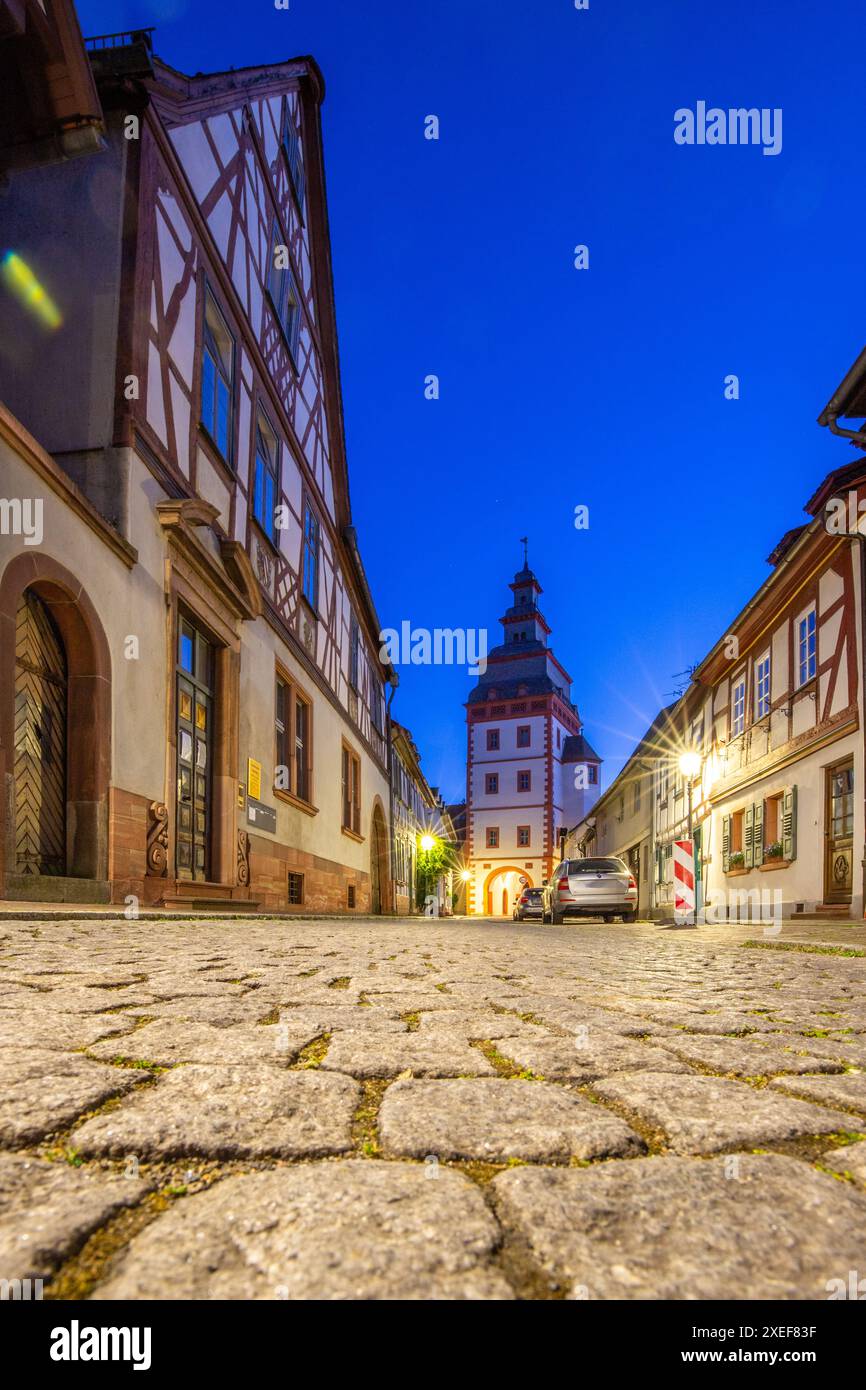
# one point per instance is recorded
(762, 686)
(738, 707)
(806, 648)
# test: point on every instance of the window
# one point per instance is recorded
(737, 832)
(354, 652)
(524, 735)
(217, 377)
(493, 837)
(524, 781)
(377, 705)
(266, 474)
(302, 749)
(311, 557)
(806, 648)
(296, 890)
(283, 291)
(762, 686)
(559, 738)
(491, 783)
(351, 791)
(636, 797)
(350, 895)
(575, 867)
(592, 774)
(293, 721)
(738, 708)
(664, 782)
(772, 821)
(291, 143)
(492, 740)
(522, 835)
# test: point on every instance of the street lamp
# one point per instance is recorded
(690, 766)
(427, 843)
(466, 875)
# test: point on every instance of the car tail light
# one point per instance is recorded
(631, 883)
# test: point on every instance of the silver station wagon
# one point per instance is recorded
(590, 888)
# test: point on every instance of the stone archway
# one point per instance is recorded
(56, 594)
(380, 877)
(501, 887)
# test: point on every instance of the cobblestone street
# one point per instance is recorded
(431, 1109)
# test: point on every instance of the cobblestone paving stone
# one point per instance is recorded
(415, 1109)
(688, 1228)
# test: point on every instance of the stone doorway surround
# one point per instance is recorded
(88, 714)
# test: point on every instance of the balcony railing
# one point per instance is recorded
(121, 40)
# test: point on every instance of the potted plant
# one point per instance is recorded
(737, 860)
(774, 851)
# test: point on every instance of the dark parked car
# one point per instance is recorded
(529, 903)
(591, 888)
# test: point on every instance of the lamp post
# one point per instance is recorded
(690, 766)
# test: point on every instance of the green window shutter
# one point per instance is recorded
(749, 837)
(726, 843)
(758, 834)
(789, 823)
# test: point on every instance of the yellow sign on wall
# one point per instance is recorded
(254, 779)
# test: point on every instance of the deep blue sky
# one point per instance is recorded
(561, 387)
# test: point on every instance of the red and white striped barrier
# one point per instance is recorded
(684, 881)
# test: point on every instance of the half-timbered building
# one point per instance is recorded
(191, 694)
(775, 715)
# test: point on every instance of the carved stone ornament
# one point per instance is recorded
(157, 840)
(243, 858)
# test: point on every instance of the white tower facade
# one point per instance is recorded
(530, 771)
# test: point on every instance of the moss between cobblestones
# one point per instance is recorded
(412, 1021)
(341, 982)
(365, 1121)
(313, 1054)
(134, 1063)
(803, 947)
(504, 1067)
(79, 1275)
(656, 1140)
(272, 1016)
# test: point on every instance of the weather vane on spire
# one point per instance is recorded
(524, 541)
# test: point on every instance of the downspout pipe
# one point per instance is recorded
(394, 681)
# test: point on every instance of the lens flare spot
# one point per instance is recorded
(23, 284)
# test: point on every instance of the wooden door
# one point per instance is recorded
(839, 834)
(194, 734)
(40, 741)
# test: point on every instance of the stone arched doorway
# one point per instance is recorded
(501, 887)
(55, 729)
(380, 878)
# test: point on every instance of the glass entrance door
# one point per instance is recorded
(194, 674)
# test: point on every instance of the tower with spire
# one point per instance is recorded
(529, 769)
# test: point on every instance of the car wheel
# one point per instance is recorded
(629, 916)
(556, 917)
(607, 917)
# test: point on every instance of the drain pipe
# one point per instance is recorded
(393, 681)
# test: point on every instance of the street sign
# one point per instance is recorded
(261, 816)
(254, 778)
